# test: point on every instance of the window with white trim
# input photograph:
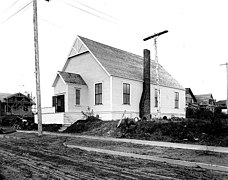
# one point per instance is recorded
(156, 96)
(176, 100)
(126, 93)
(98, 93)
(78, 94)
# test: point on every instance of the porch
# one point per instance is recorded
(49, 116)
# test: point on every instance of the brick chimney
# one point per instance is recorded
(144, 106)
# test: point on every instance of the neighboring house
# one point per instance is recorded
(190, 98)
(16, 104)
(206, 101)
(109, 81)
(222, 104)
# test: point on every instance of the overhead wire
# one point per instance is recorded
(66, 3)
(49, 22)
(9, 7)
(93, 9)
(88, 12)
(22, 8)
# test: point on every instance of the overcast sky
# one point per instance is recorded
(192, 50)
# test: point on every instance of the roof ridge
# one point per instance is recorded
(68, 72)
(125, 51)
(203, 94)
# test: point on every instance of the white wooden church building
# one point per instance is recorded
(109, 81)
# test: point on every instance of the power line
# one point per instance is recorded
(71, 5)
(9, 7)
(93, 9)
(25, 6)
(49, 22)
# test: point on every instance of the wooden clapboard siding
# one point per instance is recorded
(167, 98)
(92, 73)
(117, 94)
(60, 87)
(72, 107)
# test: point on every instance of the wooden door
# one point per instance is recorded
(59, 103)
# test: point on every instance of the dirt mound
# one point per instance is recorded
(196, 131)
(84, 125)
(106, 128)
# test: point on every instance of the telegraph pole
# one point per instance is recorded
(155, 36)
(37, 68)
(226, 64)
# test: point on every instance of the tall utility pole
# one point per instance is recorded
(226, 64)
(155, 36)
(37, 68)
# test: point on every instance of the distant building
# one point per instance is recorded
(206, 101)
(190, 98)
(16, 104)
(222, 104)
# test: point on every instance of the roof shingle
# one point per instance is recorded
(72, 78)
(204, 98)
(127, 65)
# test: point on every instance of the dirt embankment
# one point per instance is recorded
(213, 132)
(192, 131)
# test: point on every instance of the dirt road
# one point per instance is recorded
(32, 157)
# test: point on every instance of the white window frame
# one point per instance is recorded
(98, 94)
(176, 100)
(126, 94)
(158, 95)
(77, 89)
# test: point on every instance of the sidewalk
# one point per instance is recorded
(143, 142)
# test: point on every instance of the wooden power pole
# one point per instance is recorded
(155, 36)
(37, 68)
(226, 64)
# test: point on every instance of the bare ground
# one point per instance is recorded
(207, 157)
(33, 157)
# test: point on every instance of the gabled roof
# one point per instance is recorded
(189, 91)
(221, 102)
(204, 98)
(69, 78)
(124, 64)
